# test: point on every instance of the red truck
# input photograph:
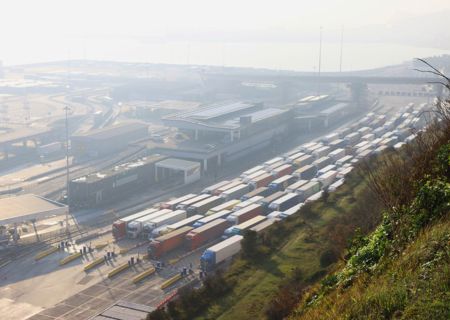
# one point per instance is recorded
(262, 180)
(206, 233)
(167, 242)
(245, 214)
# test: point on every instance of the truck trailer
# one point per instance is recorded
(220, 252)
(119, 227)
(245, 214)
(282, 183)
(262, 191)
(174, 202)
(229, 205)
(240, 228)
(221, 214)
(285, 202)
(168, 242)
(308, 190)
(214, 187)
(185, 204)
(203, 206)
(206, 233)
(163, 220)
(136, 227)
(235, 192)
(261, 181)
(306, 172)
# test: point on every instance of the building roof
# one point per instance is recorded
(257, 116)
(177, 164)
(113, 131)
(27, 207)
(334, 108)
(217, 110)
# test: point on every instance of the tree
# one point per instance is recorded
(250, 244)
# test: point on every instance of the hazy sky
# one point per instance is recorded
(39, 30)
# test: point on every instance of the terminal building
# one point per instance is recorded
(105, 141)
(225, 131)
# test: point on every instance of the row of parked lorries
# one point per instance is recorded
(266, 193)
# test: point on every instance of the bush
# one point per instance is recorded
(328, 257)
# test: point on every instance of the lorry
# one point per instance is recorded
(336, 144)
(267, 200)
(292, 210)
(321, 152)
(221, 214)
(185, 204)
(352, 138)
(308, 190)
(119, 227)
(240, 228)
(235, 192)
(260, 227)
(254, 175)
(214, 187)
(271, 162)
(262, 191)
(324, 170)
(296, 185)
(337, 154)
(327, 178)
(316, 196)
(168, 242)
(247, 202)
(285, 202)
(282, 183)
(174, 226)
(135, 227)
(203, 206)
(282, 170)
(261, 181)
(163, 220)
(245, 214)
(333, 187)
(364, 130)
(174, 202)
(274, 215)
(331, 137)
(206, 233)
(250, 171)
(306, 172)
(229, 205)
(220, 252)
(304, 160)
(230, 185)
(343, 160)
(292, 158)
(322, 162)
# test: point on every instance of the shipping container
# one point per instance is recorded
(214, 187)
(206, 233)
(296, 185)
(327, 178)
(136, 227)
(168, 242)
(321, 152)
(203, 206)
(220, 252)
(292, 210)
(230, 185)
(221, 214)
(235, 192)
(169, 218)
(262, 181)
(308, 189)
(267, 200)
(262, 191)
(322, 162)
(173, 203)
(245, 214)
(247, 202)
(282, 183)
(240, 228)
(119, 227)
(304, 160)
(337, 154)
(285, 202)
(229, 205)
(305, 172)
(185, 204)
(282, 170)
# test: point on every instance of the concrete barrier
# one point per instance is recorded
(45, 253)
(171, 281)
(94, 263)
(117, 270)
(70, 258)
(144, 274)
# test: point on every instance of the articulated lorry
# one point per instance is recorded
(136, 227)
(168, 242)
(157, 222)
(220, 252)
(240, 228)
(119, 227)
(206, 233)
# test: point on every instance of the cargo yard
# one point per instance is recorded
(159, 197)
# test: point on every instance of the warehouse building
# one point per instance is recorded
(113, 184)
(225, 132)
(177, 171)
(101, 142)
